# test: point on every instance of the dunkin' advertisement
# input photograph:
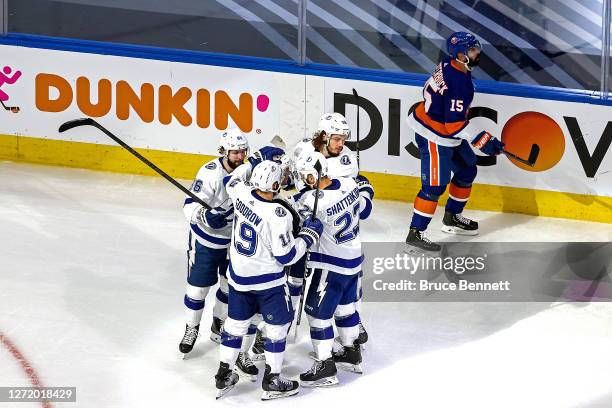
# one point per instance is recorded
(154, 104)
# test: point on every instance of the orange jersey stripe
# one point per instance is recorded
(434, 165)
(443, 129)
(425, 206)
(461, 193)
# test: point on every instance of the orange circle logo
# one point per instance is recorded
(528, 128)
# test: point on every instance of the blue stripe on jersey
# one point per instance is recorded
(254, 280)
(365, 213)
(215, 240)
(288, 257)
(335, 185)
(296, 197)
(341, 262)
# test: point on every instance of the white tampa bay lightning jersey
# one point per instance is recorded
(343, 165)
(209, 186)
(262, 239)
(339, 209)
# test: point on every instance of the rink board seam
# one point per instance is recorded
(388, 186)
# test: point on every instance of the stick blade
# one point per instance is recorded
(355, 93)
(278, 141)
(533, 155)
(75, 123)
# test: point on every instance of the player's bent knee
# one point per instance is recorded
(465, 177)
(196, 292)
(344, 310)
(276, 332)
(432, 193)
(318, 323)
(236, 327)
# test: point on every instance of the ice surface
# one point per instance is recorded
(92, 273)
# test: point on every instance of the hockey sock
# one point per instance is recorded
(424, 209)
(274, 350)
(220, 308)
(457, 198)
(348, 328)
(194, 304)
(229, 349)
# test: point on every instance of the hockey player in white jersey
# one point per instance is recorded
(209, 237)
(329, 140)
(262, 244)
(336, 261)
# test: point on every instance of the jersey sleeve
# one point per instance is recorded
(237, 180)
(286, 249)
(205, 187)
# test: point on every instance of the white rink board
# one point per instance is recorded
(295, 103)
(567, 175)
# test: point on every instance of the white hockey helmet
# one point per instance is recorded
(304, 167)
(267, 176)
(334, 124)
(233, 139)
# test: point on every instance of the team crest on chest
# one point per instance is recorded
(345, 160)
(280, 212)
(211, 166)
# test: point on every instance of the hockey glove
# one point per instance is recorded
(266, 153)
(364, 186)
(215, 218)
(488, 144)
(311, 231)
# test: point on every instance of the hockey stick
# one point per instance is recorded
(530, 161)
(71, 124)
(318, 168)
(357, 104)
(14, 109)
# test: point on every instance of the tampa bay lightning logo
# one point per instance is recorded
(211, 166)
(320, 194)
(233, 183)
(281, 212)
(345, 160)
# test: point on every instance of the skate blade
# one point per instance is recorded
(353, 368)
(416, 252)
(458, 231)
(246, 376)
(270, 395)
(215, 338)
(222, 392)
(257, 357)
(323, 382)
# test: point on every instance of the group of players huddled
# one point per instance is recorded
(260, 247)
